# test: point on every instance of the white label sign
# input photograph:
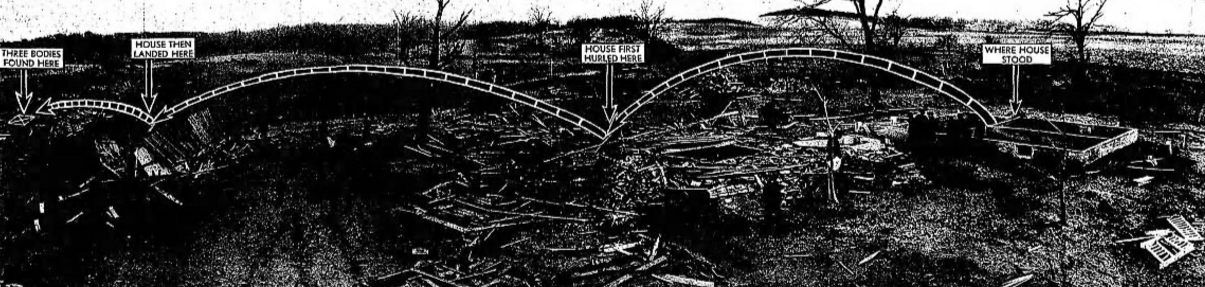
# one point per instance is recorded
(612, 53)
(164, 48)
(12, 58)
(1017, 54)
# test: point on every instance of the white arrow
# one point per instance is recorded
(43, 110)
(24, 97)
(149, 96)
(1015, 105)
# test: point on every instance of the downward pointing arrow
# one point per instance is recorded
(23, 101)
(23, 93)
(150, 87)
(1015, 105)
(149, 103)
(609, 112)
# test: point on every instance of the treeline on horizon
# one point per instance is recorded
(329, 39)
(361, 39)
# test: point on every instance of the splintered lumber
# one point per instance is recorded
(73, 218)
(1160, 252)
(437, 278)
(656, 244)
(851, 271)
(1017, 281)
(606, 269)
(683, 280)
(723, 191)
(1159, 233)
(1185, 229)
(658, 132)
(437, 220)
(512, 243)
(579, 205)
(1167, 249)
(618, 247)
(1179, 243)
(168, 196)
(681, 150)
(537, 215)
(1136, 239)
(747, 172)
(870, 113)
(642, 268)
(1134, 167)
(652, 263)
(619, 281)
(419, 151)
(868, 258)
(695, 256)
(437, 186)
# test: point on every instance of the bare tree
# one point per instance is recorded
(813, 24)
(438, 34)
(652, 19)
(869, 20)
(443, 32)
(540, 18)
(826, 23)
(894, 28)
(442, 44)
(1077, 19)
(408, 31)
(811, 31)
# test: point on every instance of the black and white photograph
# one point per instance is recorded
(609, 143)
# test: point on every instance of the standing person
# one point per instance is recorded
(836, 181)
(771, 203)
(921, 131)
(773, 116)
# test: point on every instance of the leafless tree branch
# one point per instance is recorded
(652, 17)
(1077, 19)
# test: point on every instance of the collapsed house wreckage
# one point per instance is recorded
(495, 218)
(494, 208)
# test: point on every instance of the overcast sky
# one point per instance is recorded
(31, 18)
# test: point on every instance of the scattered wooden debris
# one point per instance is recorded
(868, 258)
(851, 271)
(683, 280)
(1017, 281)
(1168, 246)
(1185, 229)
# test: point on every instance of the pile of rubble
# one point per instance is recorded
(497, 230)
(726, 161)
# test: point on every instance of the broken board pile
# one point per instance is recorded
(1168, 246)
(638, 261)
(483, 273)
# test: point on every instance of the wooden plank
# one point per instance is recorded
(683, 280)
(1017, 281)
(1185, 229)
